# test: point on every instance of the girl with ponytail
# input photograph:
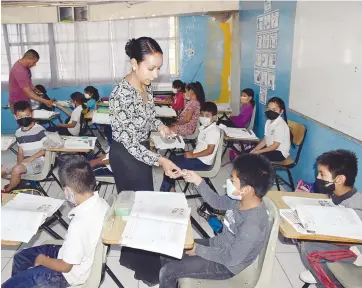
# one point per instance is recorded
(194, 99)
(277, 136)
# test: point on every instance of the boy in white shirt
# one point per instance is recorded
(202, 157)
(71, 263)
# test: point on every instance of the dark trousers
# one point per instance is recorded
(274, 156)
(24, 275)
(191, 267)
(183, 163)
(227, 123)
(61, 130)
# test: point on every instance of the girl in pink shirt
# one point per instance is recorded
(178, 88)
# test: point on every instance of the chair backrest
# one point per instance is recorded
(196, 132)
(259, 273)
(252, 120)
(217, 160)
(83, 123)
(48, 163)
(299, 132)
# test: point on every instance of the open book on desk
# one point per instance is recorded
(22, 216)
(158, 223)
(239, 133)
(164, 144)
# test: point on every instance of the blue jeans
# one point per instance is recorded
(183, 163)
(191, 267)
(25, 275)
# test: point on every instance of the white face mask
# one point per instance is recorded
(205, 121)
(174, 91)
(70, 198)
(230, 188)
(87, 96)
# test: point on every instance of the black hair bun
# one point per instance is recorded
(130, 47)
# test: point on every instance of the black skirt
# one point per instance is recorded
(133, 175)
(129, 173)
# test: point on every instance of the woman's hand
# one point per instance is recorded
(171, 170)
(191, 177)
(166, 132)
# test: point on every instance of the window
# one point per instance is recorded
(86, 52)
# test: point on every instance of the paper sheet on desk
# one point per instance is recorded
(239, 133)
(162, 144)
(79, 143)
(101, 118)
(292, 201)
(223, 107)
(17, 225)
(43, 114)
(157, 236)
(165, 111)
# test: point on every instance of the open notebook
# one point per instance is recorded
(322, 217)
(164, 144)
(22, 216)
(158, 223)
(239, 133)
(82, 143)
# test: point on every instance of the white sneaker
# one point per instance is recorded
(307, 277)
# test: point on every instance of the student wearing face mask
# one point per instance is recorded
(72, 128)
(194, 99)
(277, 136)
(178, 88)
(245, 225)
(207, 143)
(69, 264)
(29, 138)
(337, 172)
(92, 96)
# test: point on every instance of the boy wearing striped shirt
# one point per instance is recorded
(29, 137)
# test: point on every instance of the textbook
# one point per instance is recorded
(22, 216)
(158, 223)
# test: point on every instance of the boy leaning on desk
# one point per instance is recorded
(29, 137)
(337, 171)
(69, 264)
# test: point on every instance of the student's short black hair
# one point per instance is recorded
(340, 162)
(255, 171)
(209, 107)
(31, 54)
(178, 84)
(41, 88)
(78, 97)
(76, 173)
(22, 106)
(140, 47)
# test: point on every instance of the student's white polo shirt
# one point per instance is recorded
(76, 114)
(82, 238)
(209, 135)
(278, 131)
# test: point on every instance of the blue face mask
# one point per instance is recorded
(70, 198)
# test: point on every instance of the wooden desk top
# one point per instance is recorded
(113, 230)
(287, 229)
(5, 198)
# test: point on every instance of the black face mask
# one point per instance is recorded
(25, 122)
(271, 115)
(320, 187)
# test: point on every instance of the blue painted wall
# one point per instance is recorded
(319, 138)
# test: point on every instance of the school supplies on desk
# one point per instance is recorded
(43, 114)
(292, 202)
(161, 218)
(101, 118)
(86, 143)
(165, 111)
(161, 143)
(22, 216)
(239, 133)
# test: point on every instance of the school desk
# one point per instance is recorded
(5, 198)
(287, 229)
(113, 231)
(75, 150)
(161, 102)
(103, 104)
(10, 142)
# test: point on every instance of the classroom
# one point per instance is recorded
(248, 110)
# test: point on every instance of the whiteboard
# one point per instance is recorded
(326, 77)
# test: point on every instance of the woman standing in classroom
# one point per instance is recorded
(132, 113)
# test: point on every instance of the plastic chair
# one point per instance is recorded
(104, 180)
(259, 273)
(252, 120)
(192, 138)
(299, 132)
(348, 274)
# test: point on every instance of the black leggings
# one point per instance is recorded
(274, 156)
(227, 123)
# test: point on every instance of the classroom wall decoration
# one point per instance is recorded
(266, 45)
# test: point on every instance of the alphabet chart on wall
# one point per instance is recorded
(266, 46)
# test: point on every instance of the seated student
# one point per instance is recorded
(178, 88)
(69, 264)
(43, 93)
(101, 165)
(207, 143)
(187, 122)
(277, 136)
(246, 111)
(337, 172)
(92, 96)
(29, 138)
(72, 128)
(245, 225)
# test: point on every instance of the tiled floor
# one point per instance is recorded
(287, 263)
